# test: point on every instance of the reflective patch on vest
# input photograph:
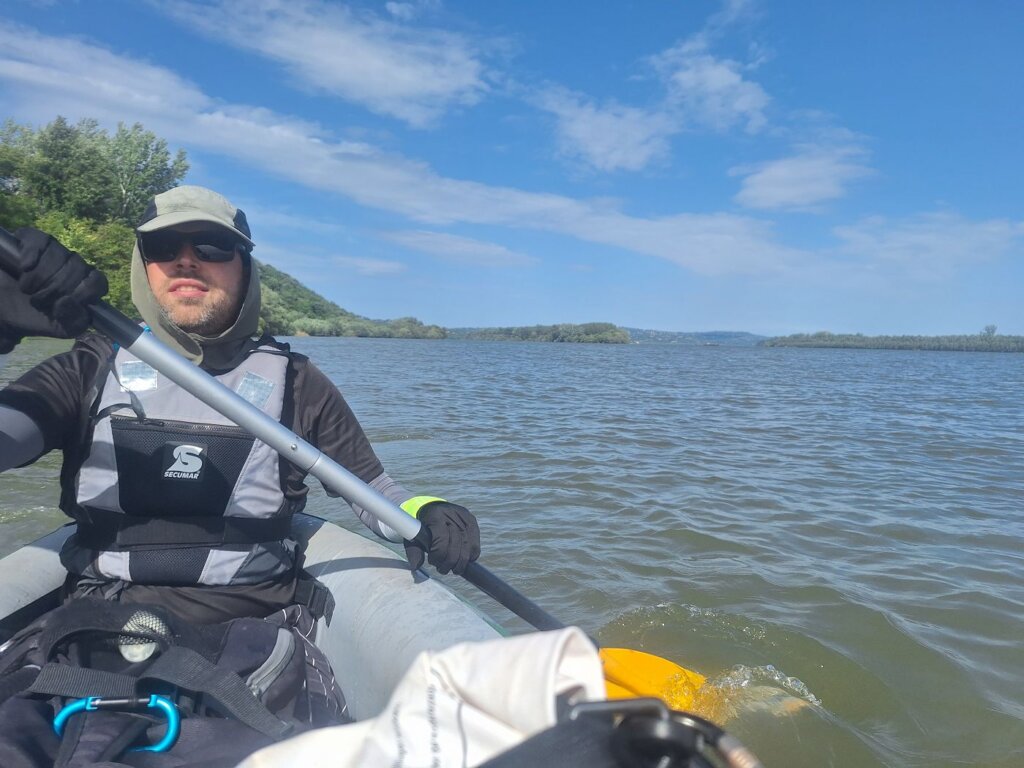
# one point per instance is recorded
(183, 461)
(221, 566)
(113, 565)
(136, 376)
(255, 389)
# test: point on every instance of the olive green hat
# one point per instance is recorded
(193, 205)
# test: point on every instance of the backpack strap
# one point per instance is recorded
(177, 666)
(71, 682)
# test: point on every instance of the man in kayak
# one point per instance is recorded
(175, 504)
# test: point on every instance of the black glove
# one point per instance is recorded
(454, 538)
(51, 293)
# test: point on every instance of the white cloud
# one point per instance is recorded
(412, 74)
(410, 11)
(932, 246)
(460, 250)
(369, 267)
(271, 218)
(48, 73)
(701, 91)
(708, 90)
(813, 175)
(609, 138)
(711, 91)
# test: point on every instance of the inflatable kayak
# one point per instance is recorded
(384, 615)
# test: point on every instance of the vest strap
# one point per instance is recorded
(315, 595)
(104, 530)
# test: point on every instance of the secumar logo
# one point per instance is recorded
(186, 461)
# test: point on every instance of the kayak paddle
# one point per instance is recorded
(628, 673)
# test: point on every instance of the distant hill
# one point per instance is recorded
(291, 309)
(585, 333)
(698, 339)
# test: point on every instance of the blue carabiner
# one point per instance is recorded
(93, 703)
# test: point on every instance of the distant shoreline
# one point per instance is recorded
(982, 342)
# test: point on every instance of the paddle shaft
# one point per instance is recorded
(290, 446)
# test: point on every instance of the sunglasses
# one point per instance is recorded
(163, 245)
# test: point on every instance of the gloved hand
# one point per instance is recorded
(50, 293)
(454, 538)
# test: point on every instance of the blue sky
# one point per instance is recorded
(690, 165)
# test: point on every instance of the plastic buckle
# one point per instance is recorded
(315, 595)
(648, 733)
(93, 703)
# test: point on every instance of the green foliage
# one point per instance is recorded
(81, 171)
(16, 210)
(65, 169)
(107, 246)
(598, 333)
(142, 168)
(290, 309)
(984, 342)
(695, 338)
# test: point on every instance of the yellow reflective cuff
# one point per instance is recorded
(416, 503)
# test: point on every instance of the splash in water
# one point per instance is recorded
(745, 690)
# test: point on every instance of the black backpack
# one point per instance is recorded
(117, 680)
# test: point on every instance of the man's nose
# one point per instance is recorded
(186, 255)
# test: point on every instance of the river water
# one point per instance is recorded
(833, 537)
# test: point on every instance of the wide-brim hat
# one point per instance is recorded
(194, 205)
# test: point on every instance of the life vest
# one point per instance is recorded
(170, 492)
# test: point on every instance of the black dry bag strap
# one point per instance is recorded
(180, 667)
(71, 682)
(187, 669)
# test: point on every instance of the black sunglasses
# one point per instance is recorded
(165, 245)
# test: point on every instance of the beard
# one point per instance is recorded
(205, 316)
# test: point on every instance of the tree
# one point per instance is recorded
(106, 245)
(67, 170)
(81, 171)
(16, 210)
(989, 330)
(142, 167)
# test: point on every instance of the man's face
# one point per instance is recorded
(201, 297)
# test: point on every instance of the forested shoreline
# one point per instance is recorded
(986, 341)
(592, 333)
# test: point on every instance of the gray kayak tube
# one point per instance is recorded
(384, 614)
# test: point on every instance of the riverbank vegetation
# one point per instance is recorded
(290, 309)
(593, 333)
(695, 338)
(986, 341)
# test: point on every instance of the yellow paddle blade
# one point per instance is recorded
(629, 674)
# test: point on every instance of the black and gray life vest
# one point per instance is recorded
(172, 493)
